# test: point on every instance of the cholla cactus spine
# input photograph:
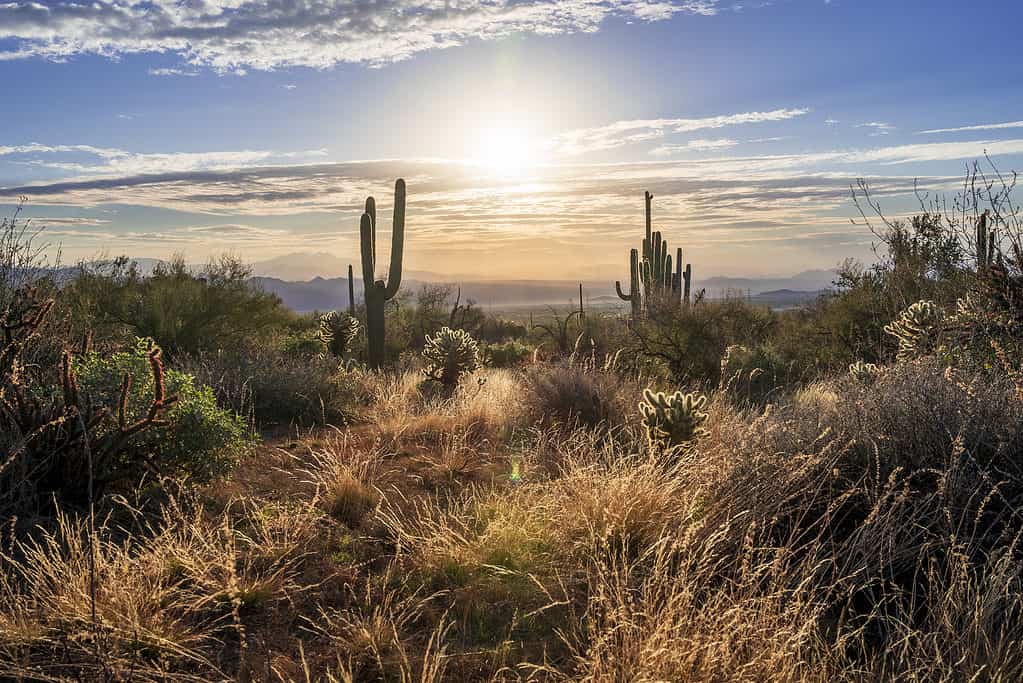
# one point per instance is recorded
(865, 373)
(675, 419)
(916, 329)
(337, 331)
(450, 354)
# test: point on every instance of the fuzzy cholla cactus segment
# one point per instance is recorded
(673, 419)
(337, 331)
(865, 373)
(450, 354)
(916, 329)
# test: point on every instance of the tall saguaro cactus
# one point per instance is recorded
(634, 296)
(377, 292)
(985, 244)
(351, 291)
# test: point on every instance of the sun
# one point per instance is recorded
(504, 150)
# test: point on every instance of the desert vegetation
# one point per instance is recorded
(199, 484)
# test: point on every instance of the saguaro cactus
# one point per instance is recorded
(985, 243)
(377, 293)
(657, 274)
(351, 291)
(634, 296)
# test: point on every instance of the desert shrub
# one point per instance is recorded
(55, 436)
(753, 376)
(181, 310)
(198, 437)
(274, 386)
(574, 395)
(507, 354)
(688, 342)
(449, 355)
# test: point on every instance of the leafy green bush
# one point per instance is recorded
(507, 354)
(199, 438)
(752, 375)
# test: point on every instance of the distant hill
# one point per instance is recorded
(329, 293)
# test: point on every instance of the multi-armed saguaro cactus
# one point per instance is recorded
(634, 297)
(673, 420)
(377, 293)
(655, 270)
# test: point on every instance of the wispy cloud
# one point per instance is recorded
(879, 127)
(713, 145)
(620, 133)
(981, 126)
(268, 34)
(108, 162)
(172, 72)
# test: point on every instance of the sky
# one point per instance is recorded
(527, 131)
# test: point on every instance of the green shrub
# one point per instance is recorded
(199, 438)
(752, 375)
(507, 354)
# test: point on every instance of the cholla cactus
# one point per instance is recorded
(337, 331)
(673, 420)
(865, 373)
(916, 329)
(450, 353)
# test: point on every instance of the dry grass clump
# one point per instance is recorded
(574, 395)
(345, 475)
(411, 417)
(169, 601)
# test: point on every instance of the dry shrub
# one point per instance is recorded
(576, 395)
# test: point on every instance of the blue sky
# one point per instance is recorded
(527, 130)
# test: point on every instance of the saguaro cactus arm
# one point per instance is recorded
(397, 240)
(367, 238)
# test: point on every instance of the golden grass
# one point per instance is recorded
(783, 548)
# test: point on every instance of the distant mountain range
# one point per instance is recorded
(329, 293)
(288, 281)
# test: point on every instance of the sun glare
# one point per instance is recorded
(505, 151)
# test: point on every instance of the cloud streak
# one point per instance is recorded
(621, 133)
(982, 126)
(234, 35)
